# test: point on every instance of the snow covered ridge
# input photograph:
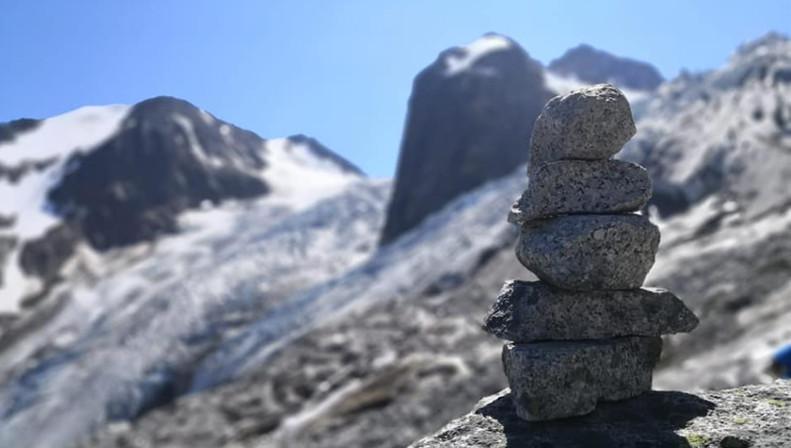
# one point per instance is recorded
(701, 134)
(114, 176)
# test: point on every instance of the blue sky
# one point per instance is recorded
(340, 71)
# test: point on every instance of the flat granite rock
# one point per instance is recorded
(582, 186)
(535, 311)
(591, 123)
(749, 416)
(589, 252)
(554, 379)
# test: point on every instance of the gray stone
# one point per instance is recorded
(590, 123)
(588, 252)
(755, 416)
(534, 311)
(582, 186)
(553, 380)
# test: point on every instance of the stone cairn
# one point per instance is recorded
(587, 331)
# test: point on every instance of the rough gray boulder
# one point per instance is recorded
(581, 186)
(533, 311)
(591, 123)
(750, 416)
(562, 379)
(588, 252)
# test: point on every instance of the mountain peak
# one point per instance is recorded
(473, 55)
(594, 66)
(469, 119)
(765, 43)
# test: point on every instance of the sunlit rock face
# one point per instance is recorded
(469, 121)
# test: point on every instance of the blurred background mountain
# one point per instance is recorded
(170, 279)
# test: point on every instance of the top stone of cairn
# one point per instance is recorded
(592, 123)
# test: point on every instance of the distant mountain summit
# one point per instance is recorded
(593, 66)
(114, 176)
(469, 120)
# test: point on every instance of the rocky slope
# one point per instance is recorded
(370, 355)
(593, 66)
(751, 416)
(469, 116)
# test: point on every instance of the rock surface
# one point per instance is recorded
(533, 311)
(555, 379)
(466, 125)
(581, 186)
(588, 252)
(591, 123)
(750, 416)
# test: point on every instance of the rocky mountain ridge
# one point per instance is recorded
(117, 176)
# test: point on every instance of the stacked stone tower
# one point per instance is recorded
(587, 331)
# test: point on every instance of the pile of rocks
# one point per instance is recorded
(587, 331)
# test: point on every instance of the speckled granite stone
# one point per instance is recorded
(591, 123)
(535, 311)
(580, 186)
(587, 252)
(562, 379)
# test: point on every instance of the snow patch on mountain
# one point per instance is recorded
(23, 199)
(464, 58)
(298, 177)
(59, 136)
